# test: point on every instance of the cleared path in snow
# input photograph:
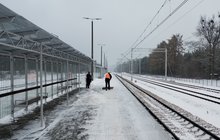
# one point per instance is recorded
(120, 116)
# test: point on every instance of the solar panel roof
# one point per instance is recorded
(14, 23)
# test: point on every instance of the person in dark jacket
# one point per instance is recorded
(108, 77)
(88, 79)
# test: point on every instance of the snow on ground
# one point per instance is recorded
(214, 84)
(96, 114)
(121, 117)
(210, 112)
(188, 88)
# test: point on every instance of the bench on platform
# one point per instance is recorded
(21, 103)
(60, 88)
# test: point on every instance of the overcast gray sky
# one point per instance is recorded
(122, 21)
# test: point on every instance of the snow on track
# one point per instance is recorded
(207, 111)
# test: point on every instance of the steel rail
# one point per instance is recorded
(198, 87)
(155, 116)
(170, 108)
(190, 86)
(183, 92)
(33, 88)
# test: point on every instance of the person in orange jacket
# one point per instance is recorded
(108, 77)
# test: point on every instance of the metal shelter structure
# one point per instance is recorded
(19, 34)
(34, 64)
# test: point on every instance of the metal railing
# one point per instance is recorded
(20, 102)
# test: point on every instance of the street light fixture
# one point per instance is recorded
(92, 19)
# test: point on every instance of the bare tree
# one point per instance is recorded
(209, 29)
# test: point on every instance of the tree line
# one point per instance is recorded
(199, 58)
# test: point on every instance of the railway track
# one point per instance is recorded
(196, 94)
(197, 87)
(180, 123)
(191, 86)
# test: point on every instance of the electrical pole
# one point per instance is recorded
(131, 65)
(101, 56)
(165, 63)
(92, 65)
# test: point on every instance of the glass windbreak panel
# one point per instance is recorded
(55, 70)
(59, 76)
(32, 94)
(84, 70)
(55, 90)
(48, 79)
(5, 82)
(48, 72)
(32, 78)
(75, 70)
(75, 74)
(48, 91)
(70, 74)
(64, 65)
(43, 72)
(59, 72)
(5, 106)
(32, 73)
(19, 101)
(19, 73)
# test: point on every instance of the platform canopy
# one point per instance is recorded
(19, 35)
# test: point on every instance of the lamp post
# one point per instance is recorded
(102, 45)
(104, 60)
(92, 19)
(102, 67)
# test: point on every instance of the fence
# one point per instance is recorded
(20, 78)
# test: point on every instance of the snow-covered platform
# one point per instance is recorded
(120, 116)
(96, 114)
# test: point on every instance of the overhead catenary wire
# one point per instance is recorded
(163, 21)
(174, 11)
(148, 25)
(181, 17)
(195, 6)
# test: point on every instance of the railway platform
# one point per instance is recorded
(96, 114)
